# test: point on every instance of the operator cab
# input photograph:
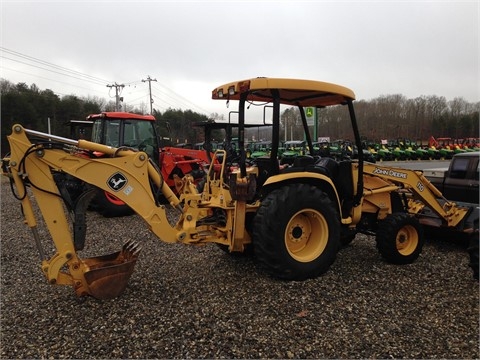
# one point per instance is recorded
(120, 129)
(302, 94)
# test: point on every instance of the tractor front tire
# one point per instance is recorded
(400, 238)
(296, 233)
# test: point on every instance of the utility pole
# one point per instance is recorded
(117, 97)
(149, 79)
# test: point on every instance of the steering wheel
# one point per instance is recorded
(146, 147)
(142, 146)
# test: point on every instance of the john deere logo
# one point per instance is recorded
(309, 112)
(117, 181)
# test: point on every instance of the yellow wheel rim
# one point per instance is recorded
(407, 240)
(306, 235)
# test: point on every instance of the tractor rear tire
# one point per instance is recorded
(400, 238)
(296, 233)
(473, 253)
(109, 206)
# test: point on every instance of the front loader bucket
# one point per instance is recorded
(108, 275)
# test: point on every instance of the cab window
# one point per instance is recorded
(459, 168)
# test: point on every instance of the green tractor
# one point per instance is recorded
(337, 149)
(383, 153)
(422, 151)
(260, 148)
(433, 153)
(293, 148)
(398, 153)
(321, 148)
(407, 146)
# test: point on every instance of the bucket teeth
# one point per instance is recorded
(131, 249)
(128, 244)
(137, 251)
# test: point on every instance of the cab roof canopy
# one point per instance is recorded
(120, 115)
(295, 92)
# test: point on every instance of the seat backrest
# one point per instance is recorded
(265, 169)
(303, 160)
(329, 165)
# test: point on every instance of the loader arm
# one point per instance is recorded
(423, 191)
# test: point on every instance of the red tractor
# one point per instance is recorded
(122, 129)
(471, 144)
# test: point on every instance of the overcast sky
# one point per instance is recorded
(375, 48)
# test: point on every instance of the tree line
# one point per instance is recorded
(385, 117)
(43, 110)
(394, 117)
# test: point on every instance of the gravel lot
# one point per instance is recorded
(198, 302)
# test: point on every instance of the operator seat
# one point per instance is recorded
(266, 168)
(325, 166)
(328, 166)
(341, 174)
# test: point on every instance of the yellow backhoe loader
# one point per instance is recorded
(295, 218)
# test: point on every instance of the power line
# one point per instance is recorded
(69, 72)
(184, 100)
(56, 72)
(63, 71)
(180, 99)
(165, 102)
(49, 79)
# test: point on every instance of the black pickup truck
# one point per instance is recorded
(460, 181)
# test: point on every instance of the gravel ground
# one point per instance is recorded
(198, 302)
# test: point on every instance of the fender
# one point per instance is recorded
(306, 176)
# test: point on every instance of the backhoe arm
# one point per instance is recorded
(128, 175)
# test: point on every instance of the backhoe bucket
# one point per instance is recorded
(108, 275)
